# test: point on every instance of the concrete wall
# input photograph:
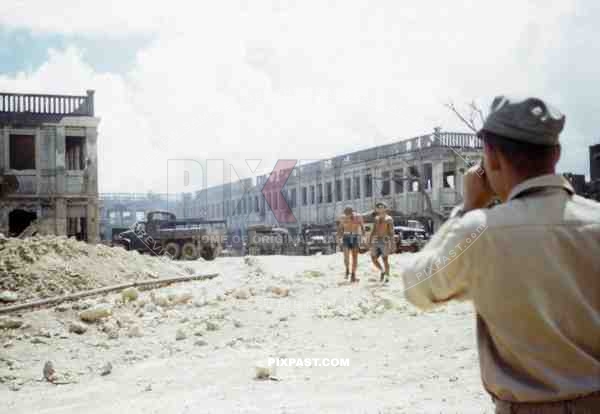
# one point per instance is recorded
(50, 190)
(213, 202)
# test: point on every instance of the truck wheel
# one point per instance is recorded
(189, 251)
(173, 249)
(208, 253)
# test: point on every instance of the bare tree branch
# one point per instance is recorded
(460, 116)
(477, 110)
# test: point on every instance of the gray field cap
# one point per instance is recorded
(529, 120)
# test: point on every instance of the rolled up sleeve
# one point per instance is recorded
(444, 269)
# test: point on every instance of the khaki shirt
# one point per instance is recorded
(531, 266)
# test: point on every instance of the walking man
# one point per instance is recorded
(350, 229)
(381, 240)
(530, 265)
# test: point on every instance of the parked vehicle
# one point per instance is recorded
(410, 239)
(318, 238)
(162, 233)
(266, 239)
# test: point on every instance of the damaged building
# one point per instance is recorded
(48, 155)
(419, 177)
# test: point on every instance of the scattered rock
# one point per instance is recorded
(171, 297)
(38, 341)
(106, 369)
(49, 372)
(387, 303)
(111, 329)
(78, 328)
(150, 307)
(86, 304)
(10, 323)
(263, 370)
(43, 333)
(95, 313)
(130, 294)
(135, 331)
(212, 326)
(180, 334)
(8, 296)
(63, 307)
(280, 292)
(200, 342)
(237, 324)
(242, 293)
(14, 386)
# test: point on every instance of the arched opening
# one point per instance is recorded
(18, 220)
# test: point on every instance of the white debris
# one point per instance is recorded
(263, 370)
(171, 297)
(95, 313)
(135, 331)
(106, 369)
(8, 296)
(111, 329)
(180, 334)
(48, 372)
(46, 266)
(130, 294)
(280, 291)
(212, 326)
(10, 323)
(77, 327)
(242, 293)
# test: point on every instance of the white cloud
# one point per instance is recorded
(302, 80)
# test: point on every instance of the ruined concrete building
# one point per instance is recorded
(420, 176)
(48, 150)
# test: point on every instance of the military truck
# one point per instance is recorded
(410, 239)
(318, 238)
(266, 239)
(410, 232)
(163, 234)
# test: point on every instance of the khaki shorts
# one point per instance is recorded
(381, 248)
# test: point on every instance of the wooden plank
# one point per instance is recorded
(147, 284)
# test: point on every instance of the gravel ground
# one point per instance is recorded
(194, 347)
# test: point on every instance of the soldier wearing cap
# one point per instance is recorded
(531, 267)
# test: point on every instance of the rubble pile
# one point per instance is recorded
(47, 266)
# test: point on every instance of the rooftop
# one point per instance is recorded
(25, 108)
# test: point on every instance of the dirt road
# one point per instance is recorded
(199, 356)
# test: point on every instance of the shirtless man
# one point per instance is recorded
(381, 240)
(350, 228)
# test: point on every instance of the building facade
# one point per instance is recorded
(421, 176)
(48, 146)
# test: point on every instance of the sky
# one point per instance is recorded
(305, 80)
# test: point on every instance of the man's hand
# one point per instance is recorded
(478, 193)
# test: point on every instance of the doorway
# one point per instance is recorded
(18, 220)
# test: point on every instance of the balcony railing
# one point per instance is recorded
(72, 105)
